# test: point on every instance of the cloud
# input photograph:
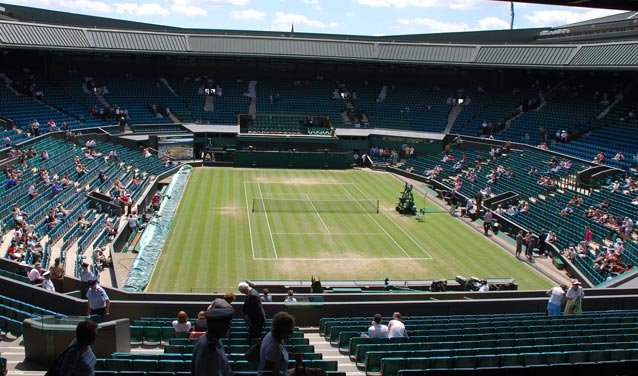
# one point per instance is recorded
(248, 14)
(563, 17)
(311, 1)
(86, 6)
(435, 26)
(492, 23)
(184, 7)
(284, 20)
(149, 9)
(350, 14)
(452, 4)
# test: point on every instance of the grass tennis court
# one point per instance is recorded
(234, 224)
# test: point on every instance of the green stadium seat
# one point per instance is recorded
(143, 365)
(136, 335)
(152, 335)
(113, 364)
(167, 365)
(391, 366)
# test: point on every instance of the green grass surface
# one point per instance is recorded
(217, 239)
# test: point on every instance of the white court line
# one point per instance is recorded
(343, 259)
(318, 215)
(274, 248)
(331, 233)
(377, 223)
(250, 227)
(400, 228)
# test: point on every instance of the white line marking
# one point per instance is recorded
(332, 233)
(272, 239)
(250, 227)
(401, 229)
(342, 259)
(318, 215)
(378, 224)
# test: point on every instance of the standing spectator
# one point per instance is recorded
(574, 297)
(588, 235)
(253, 311)
(273, 355)
(99, 302)
(377, 330)
(182, 325)
(520, 238)
(80, 359)
(209, 357)
(46, 283)
(57, 274)
(530, 241)
(556, 297)
(85, 276)
(396, 327)
(487, 222)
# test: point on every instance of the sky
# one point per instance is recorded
(352, 17)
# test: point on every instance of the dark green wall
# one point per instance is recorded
(289, 159)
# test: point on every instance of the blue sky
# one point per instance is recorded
(355, 17)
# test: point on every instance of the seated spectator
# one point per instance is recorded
(35, 275)
(65, 181)
(182, 325)
(56, 187)
(33, 191)
(290, 298)
(567, 210)
(604, 204)
(45, 155)
(51, 218)
(396, 327)
(13, 253)
(599, 157)
(101, 258)
(201, 324)
(377, 330)
(619, 156)
(83, 223)
(487, 191)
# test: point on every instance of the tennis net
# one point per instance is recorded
(292, 205)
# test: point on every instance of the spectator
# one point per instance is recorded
(377, 330)
(98, 301)
(265, 295)
(200, 324)
(182, 325)
(209, 357)
(35, 275)
(574, 298)
(46, 282)
(79, 358)
(85, 276)
(57, 274)
(487, 222)
(556, 297)
(273, 356)
(253, 311)
(290, 298)
(396, 327)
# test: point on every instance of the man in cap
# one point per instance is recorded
(252, 309)
(85, 276)
(574, 297)
(47, 284)
(209, 357)
(99, 302)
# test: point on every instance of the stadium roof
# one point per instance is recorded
(600, 4)
(38, 29)
(633, 15)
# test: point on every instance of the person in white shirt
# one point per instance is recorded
(377, 330)
(290, 298)
(46, 283)
(556, 297)
(396, 327)
(574, 297)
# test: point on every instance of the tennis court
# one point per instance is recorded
(335, 221)
(268, 224)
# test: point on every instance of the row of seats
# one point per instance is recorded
(391, 366)
(177, 365)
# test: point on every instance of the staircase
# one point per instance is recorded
(344, 364)
(7, 83)
(168, 86)
(209, 103)
(382, 94)
(451, 117)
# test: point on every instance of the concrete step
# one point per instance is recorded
(331, 352)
